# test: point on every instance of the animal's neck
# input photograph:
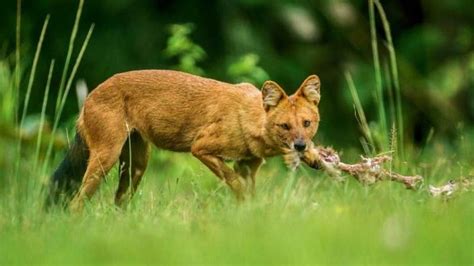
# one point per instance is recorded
(265, 146)
(256, 134)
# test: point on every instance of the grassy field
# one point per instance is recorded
(183, 215)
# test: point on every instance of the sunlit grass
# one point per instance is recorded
(183, 214)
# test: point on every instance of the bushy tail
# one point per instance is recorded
(67, 178)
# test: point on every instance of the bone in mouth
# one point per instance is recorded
(368, 171)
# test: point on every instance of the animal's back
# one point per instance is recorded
(170, 108)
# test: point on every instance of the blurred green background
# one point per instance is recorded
(256, 39)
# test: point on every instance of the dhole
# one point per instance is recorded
(213, 120)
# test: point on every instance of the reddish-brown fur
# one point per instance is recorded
(213, 120)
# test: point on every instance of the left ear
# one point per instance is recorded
(309, 89)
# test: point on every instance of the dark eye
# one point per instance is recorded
(285, 126)
(306, 123)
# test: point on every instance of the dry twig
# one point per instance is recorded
(368, 171)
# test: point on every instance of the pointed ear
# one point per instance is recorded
(272, 94)
(309, 89)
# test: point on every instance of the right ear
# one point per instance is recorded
(272, 94)
(310, 89)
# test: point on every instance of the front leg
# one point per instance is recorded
(248, 169)
(221, 170)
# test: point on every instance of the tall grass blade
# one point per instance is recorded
(360, 114)
(75, 67)
(378, 77)
(43, 114)
(72, 39)
(63, 100)
(17, 59)
(390, 90)
(33, 71)
(365, 145)
(393, 142)
(394, 72)
(28, 90)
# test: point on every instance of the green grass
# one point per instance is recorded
(183, 214)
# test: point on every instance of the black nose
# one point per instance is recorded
(300, 145)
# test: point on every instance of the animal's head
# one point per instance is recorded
(292, 121)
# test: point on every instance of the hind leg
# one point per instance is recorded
(133, 163)
(105, 133)
(100, 162)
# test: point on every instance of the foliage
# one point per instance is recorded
(181, 212)
(181, 46)
(292, 40)
(246, 69)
